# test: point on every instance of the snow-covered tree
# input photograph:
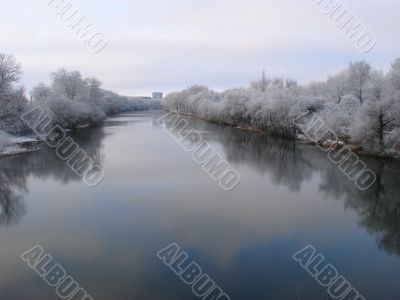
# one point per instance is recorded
(359, 73)
(70, 84)
(338, 86)
(12, 98)
(41, 91)
(317, 89)
(358, 104)
(375, 116)
(74, 101)
(94, 86)
(393, 82)
(261, 84)
(10, 73)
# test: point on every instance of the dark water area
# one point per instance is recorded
(154, 194)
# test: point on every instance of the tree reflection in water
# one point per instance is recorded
(15, 171)
(291, 163)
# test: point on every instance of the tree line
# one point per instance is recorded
(361, 105)
(69, 98)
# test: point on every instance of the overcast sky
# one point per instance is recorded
(167, 45)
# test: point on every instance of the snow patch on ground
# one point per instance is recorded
(11, 145)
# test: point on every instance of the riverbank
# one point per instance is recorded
(338, 145)
(23, 141)
(12, 145)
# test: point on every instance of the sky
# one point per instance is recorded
(167, 45)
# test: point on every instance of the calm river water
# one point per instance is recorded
(154, 194)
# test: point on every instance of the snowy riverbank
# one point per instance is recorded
(11, 145)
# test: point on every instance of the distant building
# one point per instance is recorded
(158, 96)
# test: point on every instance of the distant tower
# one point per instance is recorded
(158, 96)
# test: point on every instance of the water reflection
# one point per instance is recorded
(291, 163)
(12, 185)
(14, 172)
(154, 194)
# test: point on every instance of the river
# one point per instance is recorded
(153, 194)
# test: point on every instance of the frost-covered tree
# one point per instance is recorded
(17, 101)
(94, 86)
(291, 83)
(234, 106)
(317, 89)
(375, 116)
(338, 86)
(393, 82)
(359, 73)
(278, 82)
(41, 91)
(70, 84)
(10, 73)
(357, 104)
(12, 99)
(261, 84)
(339, 117)
(74, 101)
